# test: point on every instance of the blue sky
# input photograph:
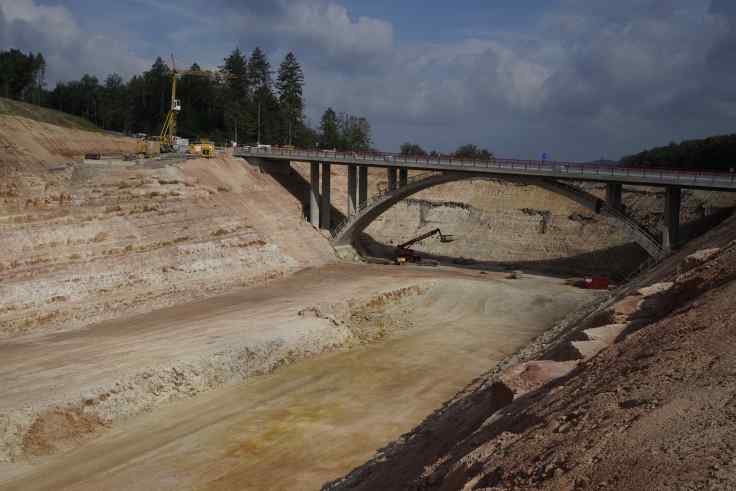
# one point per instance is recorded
(578, 79)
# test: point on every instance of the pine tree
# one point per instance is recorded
(290, 85)
(237, 97)
(329, 129)
(259, 70)
(264, 114)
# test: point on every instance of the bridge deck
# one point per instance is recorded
(559, 170)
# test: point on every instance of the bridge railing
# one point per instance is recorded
(370, 202)
(552, 168)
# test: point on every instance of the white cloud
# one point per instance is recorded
(69, 51)
(593, 77)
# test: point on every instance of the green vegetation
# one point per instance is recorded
(468, 151)
(21, 75)
(239, 101)
(344, 132)
(713, 153)
(412, 149)
(471, 151)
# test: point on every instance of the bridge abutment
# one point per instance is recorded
(672, 203)
(314, 194)
(352, 189)
(326, 207)
(614, 195)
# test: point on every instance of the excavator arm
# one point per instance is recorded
(443, 238)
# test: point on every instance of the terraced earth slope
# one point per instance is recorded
(88, 241)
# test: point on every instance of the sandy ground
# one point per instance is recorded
(644, 401)
(304, 424)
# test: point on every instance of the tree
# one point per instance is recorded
(329, 130)
(21, 75)
(290, 85)
(471, 151)
(712, 153)
(238, 97)
(264, 115)
(259, 70)
(355, 132)
(216, 107)
(412, 149)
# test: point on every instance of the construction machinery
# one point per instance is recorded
(406, 255)
(204, 148)
(168, 137)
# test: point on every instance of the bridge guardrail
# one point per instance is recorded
(556, 168)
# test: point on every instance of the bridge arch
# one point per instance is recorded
(357, 223)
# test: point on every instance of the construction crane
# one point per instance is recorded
(404, 254)
(168, 130)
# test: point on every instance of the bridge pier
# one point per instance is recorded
(671, 232)
(392, 175)
(613, 195)
(314, 194)
(403, 177)
(326, 207)
(362, 185)
(352, 189)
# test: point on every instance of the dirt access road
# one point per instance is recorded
(305, 423)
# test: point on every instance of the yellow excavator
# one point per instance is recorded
(168, 131)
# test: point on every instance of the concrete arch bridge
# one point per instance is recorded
(347, 232)
(557, 177)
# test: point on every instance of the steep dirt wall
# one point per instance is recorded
(99, 240)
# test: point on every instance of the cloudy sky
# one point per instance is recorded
(578, 79)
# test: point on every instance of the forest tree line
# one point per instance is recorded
(713, 153)
(222, 106)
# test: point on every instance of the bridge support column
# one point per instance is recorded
(352, 189)
(362, 185)
(326, 206)
(314, 194)
(671, 233)
(613, 195)
(391, 174)
(403, 177)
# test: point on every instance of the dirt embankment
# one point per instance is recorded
(85, 242)
(638, 395)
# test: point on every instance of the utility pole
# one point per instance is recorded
(259, 122)
(236, 130)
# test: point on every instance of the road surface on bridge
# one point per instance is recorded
(550, 169)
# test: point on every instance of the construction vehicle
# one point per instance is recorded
(204, 148)
(406, 255)
(168, 137)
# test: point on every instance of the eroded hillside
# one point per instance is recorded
(83, 242)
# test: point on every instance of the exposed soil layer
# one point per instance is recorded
(312, 420)
(645, 399)
(88, 241)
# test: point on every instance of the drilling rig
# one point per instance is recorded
(168, 130)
